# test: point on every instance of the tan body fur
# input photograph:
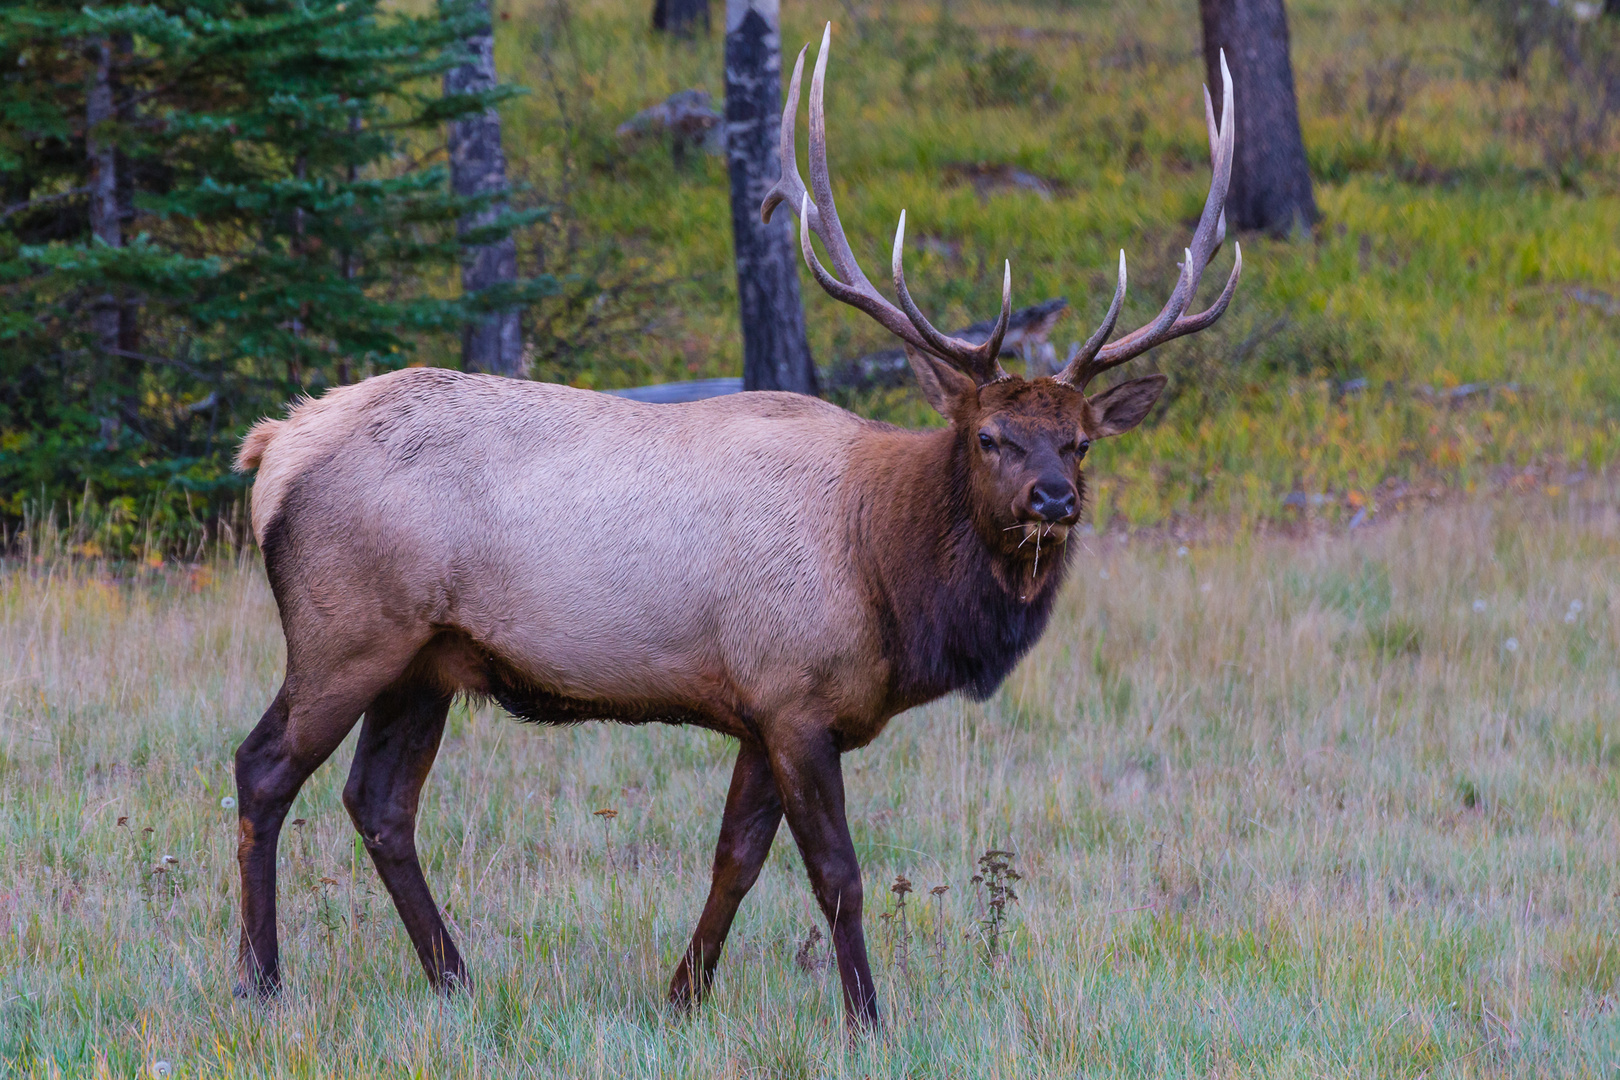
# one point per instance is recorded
(688, 561)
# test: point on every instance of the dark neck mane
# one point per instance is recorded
(954, 614)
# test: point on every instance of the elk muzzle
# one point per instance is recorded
(1052, 500)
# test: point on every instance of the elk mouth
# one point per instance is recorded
(1036, 536)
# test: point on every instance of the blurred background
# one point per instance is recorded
(234, 219)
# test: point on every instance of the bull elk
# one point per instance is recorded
(783, 572)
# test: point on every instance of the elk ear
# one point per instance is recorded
(941, 384)
(1120, 408)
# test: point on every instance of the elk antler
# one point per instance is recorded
(1088, 361)
(851, 285)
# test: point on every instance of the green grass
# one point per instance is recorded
(1281, 808)
(1444, 257)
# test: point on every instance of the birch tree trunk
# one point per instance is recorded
(776, 353)
(478, 167)
(1271, 181)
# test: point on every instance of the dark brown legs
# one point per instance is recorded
(752, 815)
(396, 750)
(799, 778)
(271, 765)
(398, 742)
(806, 782)
(811, 782)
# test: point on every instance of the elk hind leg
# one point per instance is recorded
(296, 734)
(398, 743)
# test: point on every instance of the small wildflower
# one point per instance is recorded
(123, 820)
(299, 823)
(1479, 607)
(162, 1068)
(1575, 607)
(227, 803)
(170, 859)
(1511, 644)
(606, 815)
(1181, 552)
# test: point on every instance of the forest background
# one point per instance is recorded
(1452, 321)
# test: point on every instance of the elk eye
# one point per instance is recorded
(1080, 450)
(986, 441)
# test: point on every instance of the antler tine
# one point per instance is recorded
(832, 231)
(1173, 321)
(1214, 148)
(846, 281)
(1077, 372)
(981, 360)
(789, 187)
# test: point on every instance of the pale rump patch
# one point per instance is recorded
(282, 450)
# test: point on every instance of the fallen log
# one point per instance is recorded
(1027, 330)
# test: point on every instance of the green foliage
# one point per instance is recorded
(283, 228)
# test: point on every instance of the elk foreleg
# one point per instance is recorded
(753, 812)
(810, 780)
(398, 742)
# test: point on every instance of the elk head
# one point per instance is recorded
(1024, 441)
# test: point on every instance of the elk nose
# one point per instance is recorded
(1052, 501)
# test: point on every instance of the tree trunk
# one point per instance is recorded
(776, 353)
(103, 159)
(478, 167)
(681, 17)
(1271, 182)
(124, 108)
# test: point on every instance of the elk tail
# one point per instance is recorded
(256, 442)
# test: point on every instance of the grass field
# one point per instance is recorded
(1335, 806)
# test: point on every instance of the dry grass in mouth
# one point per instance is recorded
(1340, 806)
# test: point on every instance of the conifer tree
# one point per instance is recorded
(272, 231)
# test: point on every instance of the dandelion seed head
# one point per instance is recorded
(1511, 644)
(1102, 575)
(1569, 617)
(1181, 552)
(1206, 587)
(1575, 607)
(162, 1068)
(227, 803)
(1479, 606)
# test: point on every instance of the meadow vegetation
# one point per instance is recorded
(1468, 236)
(1326, 807)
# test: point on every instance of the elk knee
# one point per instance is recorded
(840, 895)
(388, 831)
